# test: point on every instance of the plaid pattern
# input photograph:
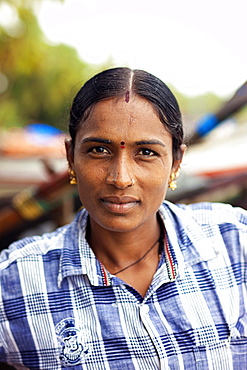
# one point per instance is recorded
(59, 310)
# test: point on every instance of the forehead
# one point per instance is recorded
(124, 119)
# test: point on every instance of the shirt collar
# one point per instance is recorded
(187, 240)
(74, 242)
(77, 257)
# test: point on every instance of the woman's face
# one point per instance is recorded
(123, 160)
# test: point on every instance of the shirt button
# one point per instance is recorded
(145, 308)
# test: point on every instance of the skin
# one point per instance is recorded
(122, 188)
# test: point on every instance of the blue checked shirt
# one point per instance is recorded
(60, 308)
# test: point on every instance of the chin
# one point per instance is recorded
(117, 224)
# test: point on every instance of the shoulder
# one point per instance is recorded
(209, 213)
(36, 246)
(208, 230)
(32, 246)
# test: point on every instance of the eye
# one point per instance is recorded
(147, 152)
(98, 150)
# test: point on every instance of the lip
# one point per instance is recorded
(119, 204)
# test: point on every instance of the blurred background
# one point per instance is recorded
(48, 49)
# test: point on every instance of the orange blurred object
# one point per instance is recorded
(17, 142)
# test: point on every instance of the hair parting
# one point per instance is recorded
(127, 94)
(123, 82)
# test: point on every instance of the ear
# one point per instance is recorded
(69, 153)
(177, 162)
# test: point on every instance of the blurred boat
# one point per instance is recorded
(216, 168)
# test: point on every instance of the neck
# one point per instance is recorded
(117, 250)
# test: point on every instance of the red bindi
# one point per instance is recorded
(122, 144)
(127, 96)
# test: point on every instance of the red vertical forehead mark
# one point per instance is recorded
(122, 144)
(127, 96)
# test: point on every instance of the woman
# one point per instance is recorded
(132, 282)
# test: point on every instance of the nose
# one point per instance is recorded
(119, 173)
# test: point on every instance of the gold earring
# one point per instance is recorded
(173, 177)
(73, 180)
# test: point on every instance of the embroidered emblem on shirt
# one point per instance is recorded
(72, 344)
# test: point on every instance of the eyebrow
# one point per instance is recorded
(96, 139)
(106, 141)
(150, 142)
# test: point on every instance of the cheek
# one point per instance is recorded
(155, 185)
(89, 177)
(83, 169)
(160, 178)
(158, 175)
(158, 188)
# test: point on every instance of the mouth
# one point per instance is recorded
(119, 204)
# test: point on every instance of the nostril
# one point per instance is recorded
(132, 183)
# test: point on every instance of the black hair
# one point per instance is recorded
(118, 82)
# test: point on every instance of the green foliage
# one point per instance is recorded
(40, 79)
(198, 105)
